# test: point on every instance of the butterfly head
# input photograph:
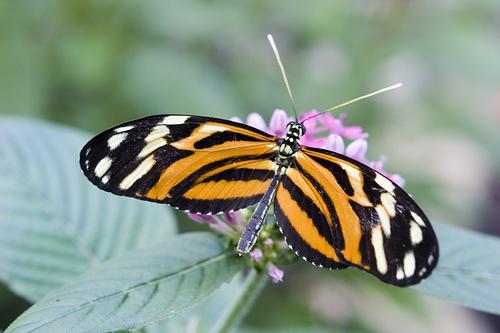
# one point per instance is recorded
(289, 145)
(295, 129)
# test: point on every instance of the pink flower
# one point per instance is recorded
(335, 143)
(275, 273)
(235, 219)
(268, 242)
(397, 179)
(357, 149)
(336, 125)
(379, 164)
(200, 218)
(278, 122)
(256, 255)
(256, 120)
(228, 224)
(328, 132)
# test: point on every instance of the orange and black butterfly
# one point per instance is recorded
(333, 211)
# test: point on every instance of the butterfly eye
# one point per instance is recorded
(302, 129)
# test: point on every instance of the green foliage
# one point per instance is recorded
(92, 64)
(136, 289)
(469, 269)
(220, 312)
(54, 224)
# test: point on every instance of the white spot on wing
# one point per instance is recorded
(102, 167)
(389, 203)
(384, 220)
(105, 179)
(378, 245)
(418, 219)
(400, 274)
(385, 183)
(123, 129)
(158, 132)
(351, 171)
(138, 173)
(174, 120)
(409, 263)
(151, 147)
(212, 128)
(115, 140)
(416, 235)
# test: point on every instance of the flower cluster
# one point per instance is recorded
(323, 131)
(270, 247)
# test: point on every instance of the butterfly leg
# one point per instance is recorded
(249, 236)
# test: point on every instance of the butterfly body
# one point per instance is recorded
(334, 211)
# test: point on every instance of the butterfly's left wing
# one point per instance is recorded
(199, 164)
(375, 225)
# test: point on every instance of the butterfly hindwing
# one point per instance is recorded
(200, 164)
(303, 218)
(378, 227)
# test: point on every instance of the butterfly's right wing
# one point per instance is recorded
(375, 225)
(198, 164)
(305, 220)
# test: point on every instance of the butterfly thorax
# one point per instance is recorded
(290, 144)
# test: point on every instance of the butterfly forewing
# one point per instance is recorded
(200, 164)
(379, 227)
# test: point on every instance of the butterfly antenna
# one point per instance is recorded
(394, 86)
(283, 73)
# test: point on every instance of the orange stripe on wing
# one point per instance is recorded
(353, 171)
(181, 169)
(303, 225)
(305, 185)
(349, 221)
(266, 165)
(224, 189)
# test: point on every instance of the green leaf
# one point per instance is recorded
(292, 330)
(136, 289)
(468, 271)
(221, 311)
(54, 224)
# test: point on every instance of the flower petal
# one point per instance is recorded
(379, 165)
(275, 273)
(236, 119)
(353, 132)
(357, 149)
(268, 242)
(200, 218)
(397, 179)
(336, 143)
(256, 255)
(254, 119)
(278, 122)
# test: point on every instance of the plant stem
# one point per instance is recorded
(252, 286)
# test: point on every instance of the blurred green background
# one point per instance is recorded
(93, 64)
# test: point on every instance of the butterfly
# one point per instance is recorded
(333, 211)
